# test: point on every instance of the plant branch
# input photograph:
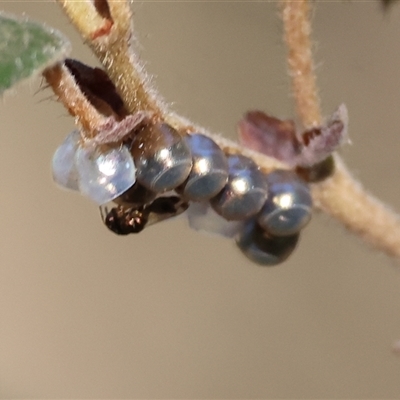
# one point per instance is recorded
(114, 48)
(340, 196)
(297, 32)
(69, 93)
(344, 199)
(110, 36)
(96, 129)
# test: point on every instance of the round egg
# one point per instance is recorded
(209, 172)
(245, 192)
(288, 207)
(162, 157)
(262, 248)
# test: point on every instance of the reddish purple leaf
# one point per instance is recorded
(279, 139)
(270, 136)
(320, 142)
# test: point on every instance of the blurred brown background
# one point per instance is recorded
(171, 312)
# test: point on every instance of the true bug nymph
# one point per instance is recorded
(123, 221)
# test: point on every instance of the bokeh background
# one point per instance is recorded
(172, 313)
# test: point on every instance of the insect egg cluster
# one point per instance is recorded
(159, 173)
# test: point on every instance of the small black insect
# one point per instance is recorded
(123, 221)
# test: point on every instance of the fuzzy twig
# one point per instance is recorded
(344, 199)
(111, 38)
(95, 128)
(68, 92)
(340, 196)
(297, 30)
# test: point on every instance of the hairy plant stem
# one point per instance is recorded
(340, 196)
(111, 39)
(110, 35)
(68, 92)
(297, 30)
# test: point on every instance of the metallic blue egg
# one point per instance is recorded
(288, 207)
(245, 192)
(162, 157)
(209, 172)
(262, 248)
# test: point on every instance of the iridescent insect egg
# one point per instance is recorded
(162, 157)
(104, 173)
(246, 190)
(262, 248)
(289, 204)
(209, 173)
(64, 170)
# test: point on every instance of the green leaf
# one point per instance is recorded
(27, 48)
